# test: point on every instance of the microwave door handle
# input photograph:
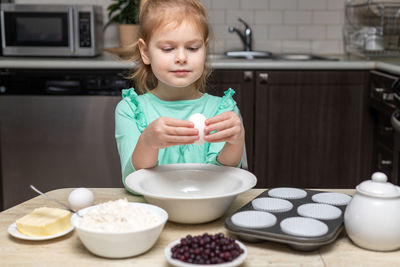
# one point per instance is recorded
(2, 30)
(71, 29)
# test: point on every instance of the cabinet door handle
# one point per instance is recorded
(263, 78)
(386, 162)
(248, 76)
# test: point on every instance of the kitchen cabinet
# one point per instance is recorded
(313, 129)
(243, 84)
(309, 128)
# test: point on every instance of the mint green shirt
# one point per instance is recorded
(134, 112)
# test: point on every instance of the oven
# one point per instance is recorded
(395, 121)
(383, 106)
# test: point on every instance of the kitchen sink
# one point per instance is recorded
(249, 54)
(271, 56)
(301, 57)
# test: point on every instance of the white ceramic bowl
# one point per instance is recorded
(191, 193)
(125, 244)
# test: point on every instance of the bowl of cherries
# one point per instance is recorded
(203, 250)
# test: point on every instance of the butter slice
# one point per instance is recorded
(44, 221)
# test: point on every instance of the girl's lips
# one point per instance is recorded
(180, 72)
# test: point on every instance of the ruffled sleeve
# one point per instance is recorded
(129, 124)
(227, 103)
(132, 96)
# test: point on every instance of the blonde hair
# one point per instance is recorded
(157, 13)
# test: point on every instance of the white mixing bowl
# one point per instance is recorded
(125, 244)
(191, 193)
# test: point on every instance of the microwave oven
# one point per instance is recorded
(51, 30)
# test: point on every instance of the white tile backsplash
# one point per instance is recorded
(312, 4)
(296, 46)
(278, 25)
(282, 25)
(336, 4)
(334, 32)
(328, 17)
(282, 32)
(232, 16)
(216, 16)
(283, 4)
(311, 32)
(297, 17)
(223, 4)
(254, 4)
(268, 17)
(270, 45)
(326, 47)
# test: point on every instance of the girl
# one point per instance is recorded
(152, 128)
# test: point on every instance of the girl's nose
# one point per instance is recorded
(181, 56)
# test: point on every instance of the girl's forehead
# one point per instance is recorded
(170, 24)
(178, 30)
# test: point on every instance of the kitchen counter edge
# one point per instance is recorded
(108, 61)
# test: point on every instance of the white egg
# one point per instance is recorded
(80, 198)
(199, 123)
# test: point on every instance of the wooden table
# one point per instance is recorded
(69, 251)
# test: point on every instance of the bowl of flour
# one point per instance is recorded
(119, 229)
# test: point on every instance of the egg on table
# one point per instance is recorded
(199, 123)
(80, 198)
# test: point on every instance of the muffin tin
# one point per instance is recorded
(303, 219)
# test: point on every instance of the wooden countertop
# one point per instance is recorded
(69, 251)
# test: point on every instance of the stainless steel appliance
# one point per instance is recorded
(57, 130)
(395, 120)
(2, 2)
(51, 30)
(383, 105)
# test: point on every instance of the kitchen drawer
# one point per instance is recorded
(384, 131)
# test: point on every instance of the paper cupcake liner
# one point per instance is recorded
(319, 211)
(253, 219)
(337, 199)
(271, 204)
(306, 227)
(287, 193)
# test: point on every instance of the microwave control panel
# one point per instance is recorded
(63, 82)
(85, 37)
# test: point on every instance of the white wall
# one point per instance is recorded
(278, 25)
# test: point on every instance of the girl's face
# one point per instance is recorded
(176, 55)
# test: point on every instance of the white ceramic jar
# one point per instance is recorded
(372, 218)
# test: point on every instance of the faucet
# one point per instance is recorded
(246, 36)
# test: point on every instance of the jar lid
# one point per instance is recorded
(378, 186)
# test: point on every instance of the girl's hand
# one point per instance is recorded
(229, 129)
(164, 132)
